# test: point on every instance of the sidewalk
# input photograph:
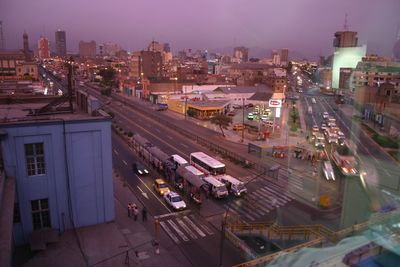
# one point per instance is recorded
(107, 244)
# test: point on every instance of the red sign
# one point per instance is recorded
(275, 103)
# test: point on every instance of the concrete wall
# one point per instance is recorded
(78, 180)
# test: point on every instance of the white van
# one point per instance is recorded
(313, 100)
(234, 185)
(179, 161)
(217, 188)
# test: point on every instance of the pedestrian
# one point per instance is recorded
(129, 209)
(144, 214)
(135, 212)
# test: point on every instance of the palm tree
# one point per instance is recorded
(222, 121)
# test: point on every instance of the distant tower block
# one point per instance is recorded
(1, 36)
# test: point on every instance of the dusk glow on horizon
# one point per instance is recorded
(304, 26)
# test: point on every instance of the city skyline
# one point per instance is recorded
(208, 25)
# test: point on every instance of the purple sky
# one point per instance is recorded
(306, 26)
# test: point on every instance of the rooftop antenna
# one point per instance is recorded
(346, 25)
(1, 36)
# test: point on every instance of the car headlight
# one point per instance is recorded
(146, 171)
(139, 171)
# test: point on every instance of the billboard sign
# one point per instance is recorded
(275, 103)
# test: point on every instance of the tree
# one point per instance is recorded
(294, 114)
(108, 75)
(222, 121)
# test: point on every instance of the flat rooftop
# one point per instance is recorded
(20, 113)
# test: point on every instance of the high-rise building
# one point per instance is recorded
(345, 39)
(276, 58)
(27, 52)
(285, 56)
(150, 64)
(346, 55)
(87, 49)
(155, 46)
(43, 48)
(61, 43)
(241, 53)
(109, 49)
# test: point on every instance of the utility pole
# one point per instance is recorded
(243, 121)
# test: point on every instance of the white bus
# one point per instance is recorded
(207, 164)
(195, 171)
(179, 161)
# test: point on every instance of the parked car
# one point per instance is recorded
(139, 168)
(161, 107)
(160, 186)
(324, 126)
(325, 115)
(249, 105)
(231, 113)
(175, 201)
(236, 106)
(250, 116)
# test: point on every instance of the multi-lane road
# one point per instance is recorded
(195, 231)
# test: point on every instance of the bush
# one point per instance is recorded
(130, 134)
(293, 128)
(385, 141)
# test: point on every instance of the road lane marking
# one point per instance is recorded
(186, 228)
(169, 232)
(194, 226)
(143, 193)
(182, 144)
(260, 202)
(126, 164)
(275, 194)
(115, 151)
(279, 201)
(176, 228)
(205, 228)
(151, 191)
(240, 211)
(169, 137)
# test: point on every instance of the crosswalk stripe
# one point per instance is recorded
(250, 209)
(272, 196)
(258, 201)
(243, 206)
(186, 228)
(176, 228)
(204, 227)
(270, 191)
(262, 202)
(279, 189)
(194, 226)
(247, 215)
(168, 231)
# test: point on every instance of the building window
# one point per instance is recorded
(40, 213)
(17, 214)
(34, 154)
